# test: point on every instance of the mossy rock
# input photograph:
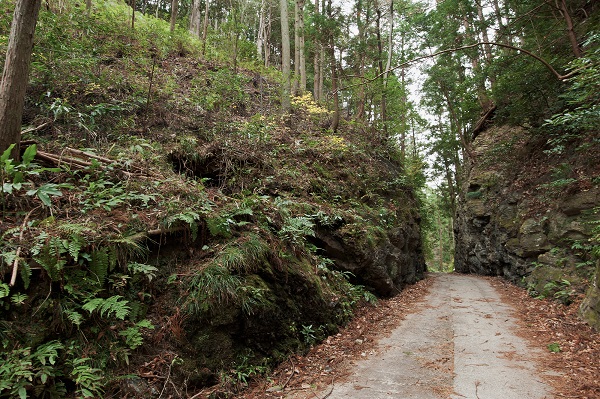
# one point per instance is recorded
(590, 308)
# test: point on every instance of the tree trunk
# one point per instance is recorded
(564, 10)
(387, 67)
(88, 7)
(174, 7)
(16, 73)
(334, 76)
(316, 61)
(195, 18)
(205, 28)
(285, 58)
(382, 111)
(296, 83)
(157, 8)
(360, 112)
(132, 14)
(301, 55)
(260, 38)
(267, 35)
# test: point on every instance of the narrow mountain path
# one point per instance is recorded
(460, 344)
(449, 336)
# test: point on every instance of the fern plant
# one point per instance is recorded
(191, 219)
(114, 305)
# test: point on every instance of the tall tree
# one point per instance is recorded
(331, 28)
(285, 58)
(174, 7)
(16, 73)
(299, 56)
(195, 18)
(205, 27)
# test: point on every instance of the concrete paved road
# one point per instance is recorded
(460, 344)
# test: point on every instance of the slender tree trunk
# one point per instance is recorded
(487, 49)
(564, 10)
(334, 75)
(316, 60)
(267, 35)
(360, 112)
(205, 28)
(16, 73)
(502, 35)
(285, 58)
(88, 7)
(451, 186)
(195, 18)
(302, 57)
(260, 38)
(132, 14)
(382, 111)
(235, 35)
(174, 7)
(296, 83)
(387, 67)
(157, 8)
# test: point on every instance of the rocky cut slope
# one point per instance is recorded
(186, 231)
(531, 213)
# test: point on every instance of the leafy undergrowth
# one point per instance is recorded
(158, 234)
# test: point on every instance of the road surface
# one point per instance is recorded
(460, 343)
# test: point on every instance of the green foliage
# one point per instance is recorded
(296, 229)
(189, 218)
(308, 333)
(16, 176)
(133, 335)
(554, 347)
(25, 369)
(218, 90)
(113, 306)
(89, 380)
(582, 99)
(213, 286)
(559, 290)
(223, 224)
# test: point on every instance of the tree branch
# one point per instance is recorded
(452, 50)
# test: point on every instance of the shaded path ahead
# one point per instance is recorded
(460, 344)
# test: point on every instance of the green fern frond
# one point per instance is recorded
(74, 228)
(99, 264)
(190, 218)
(76, 242)
(73, 316)
(115, 305)
(139, 268)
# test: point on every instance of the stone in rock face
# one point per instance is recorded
(590, 308)
(499, 232)
(386, 264)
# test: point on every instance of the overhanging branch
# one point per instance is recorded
(452, 50)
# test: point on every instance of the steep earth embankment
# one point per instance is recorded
(530, 213)
(188, 233)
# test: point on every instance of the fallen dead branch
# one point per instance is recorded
(78, 159)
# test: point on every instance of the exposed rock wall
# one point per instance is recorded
(519, 219)
(384, 262)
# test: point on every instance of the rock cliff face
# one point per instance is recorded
(383, 260)
(530, 216)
